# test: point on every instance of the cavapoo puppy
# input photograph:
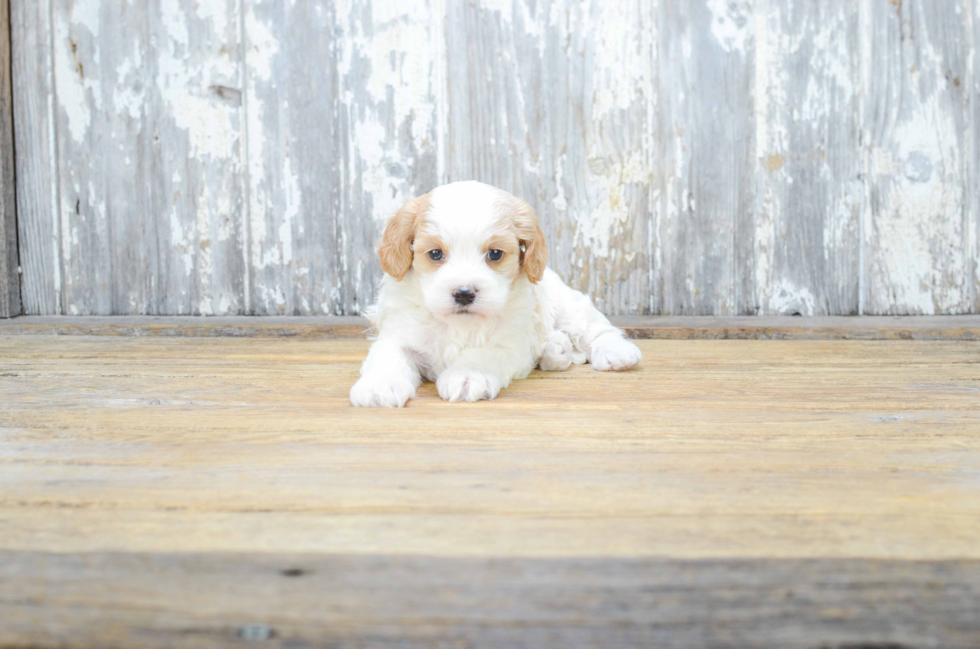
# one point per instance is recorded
(467, 302)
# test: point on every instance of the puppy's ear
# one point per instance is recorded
(395, 251)
(534, 250)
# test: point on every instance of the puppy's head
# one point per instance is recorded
(469, 243)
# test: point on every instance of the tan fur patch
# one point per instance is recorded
(425, 242)
(510, 264)
(395, 252)
(523, 222)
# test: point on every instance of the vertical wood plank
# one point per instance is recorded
(704, 220)
(973, 187)
(89, 192)
(554, 101)
(294, 162)
(148, 123)
(36, 163)
(916, 121)
(805, 255)
(9, 276)
(341, 131)
(194, 136)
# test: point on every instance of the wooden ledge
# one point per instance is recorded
(800, 328)
(191, 326)
(642, 327)
(225, 599)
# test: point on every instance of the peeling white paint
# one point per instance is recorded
(919, 262)
(293, 200)
(180, 239)
(186, 84)
(262, 46)
(258, 62)
(79, 89)
(731, 22)
(504, 8)
(129, 93)
(225, 305)
(622, 62)
(835, 64)
(559, 201)
(175, 22)
(788, 299)
(211, 133)
(399, 92)
(608, 209)
(588, 170)
(216, 13)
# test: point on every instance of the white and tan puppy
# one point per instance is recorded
(467, 302)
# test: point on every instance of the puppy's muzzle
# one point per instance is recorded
(464, 295)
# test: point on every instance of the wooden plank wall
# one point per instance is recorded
(37, 189)
(710, 157)
(9, 276)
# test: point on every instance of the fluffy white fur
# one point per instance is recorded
(523, 315)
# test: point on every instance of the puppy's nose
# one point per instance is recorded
(464, 295)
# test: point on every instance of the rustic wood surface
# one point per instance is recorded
(9, 275)
(301, 600)
(916, 112)
(39, 217)
(644, 327)
(701, 157)
(808, 139)
(204, 491)
(973, 188)
(707, 146)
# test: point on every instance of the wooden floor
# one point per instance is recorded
(159, 491)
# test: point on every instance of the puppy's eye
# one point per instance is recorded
(435, 255)
(495, 255)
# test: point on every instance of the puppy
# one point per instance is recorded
(467, 302)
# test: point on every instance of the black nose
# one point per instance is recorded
(464, 295)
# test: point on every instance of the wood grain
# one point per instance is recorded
(314, 600)
(9, 273)
(804, 249)
(952, 328)
(295, 163)
(194, 166)
(205, 491)
(710, 449)
(916, 111)
(148, 125)
(698, 157)
(973, 187)
(92, 159)
(39, 238)
(706, 55)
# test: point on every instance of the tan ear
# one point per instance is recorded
(395, 251)
(534, 253)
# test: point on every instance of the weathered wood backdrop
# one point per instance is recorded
(9, 288)
(685, 157)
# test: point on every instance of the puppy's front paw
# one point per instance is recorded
(613, 352)
(467, 385)
(557, 354)
(373, 391)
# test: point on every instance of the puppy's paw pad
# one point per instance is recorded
(614, 353)
(381, 392)
(467, 385)
(558, 352)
